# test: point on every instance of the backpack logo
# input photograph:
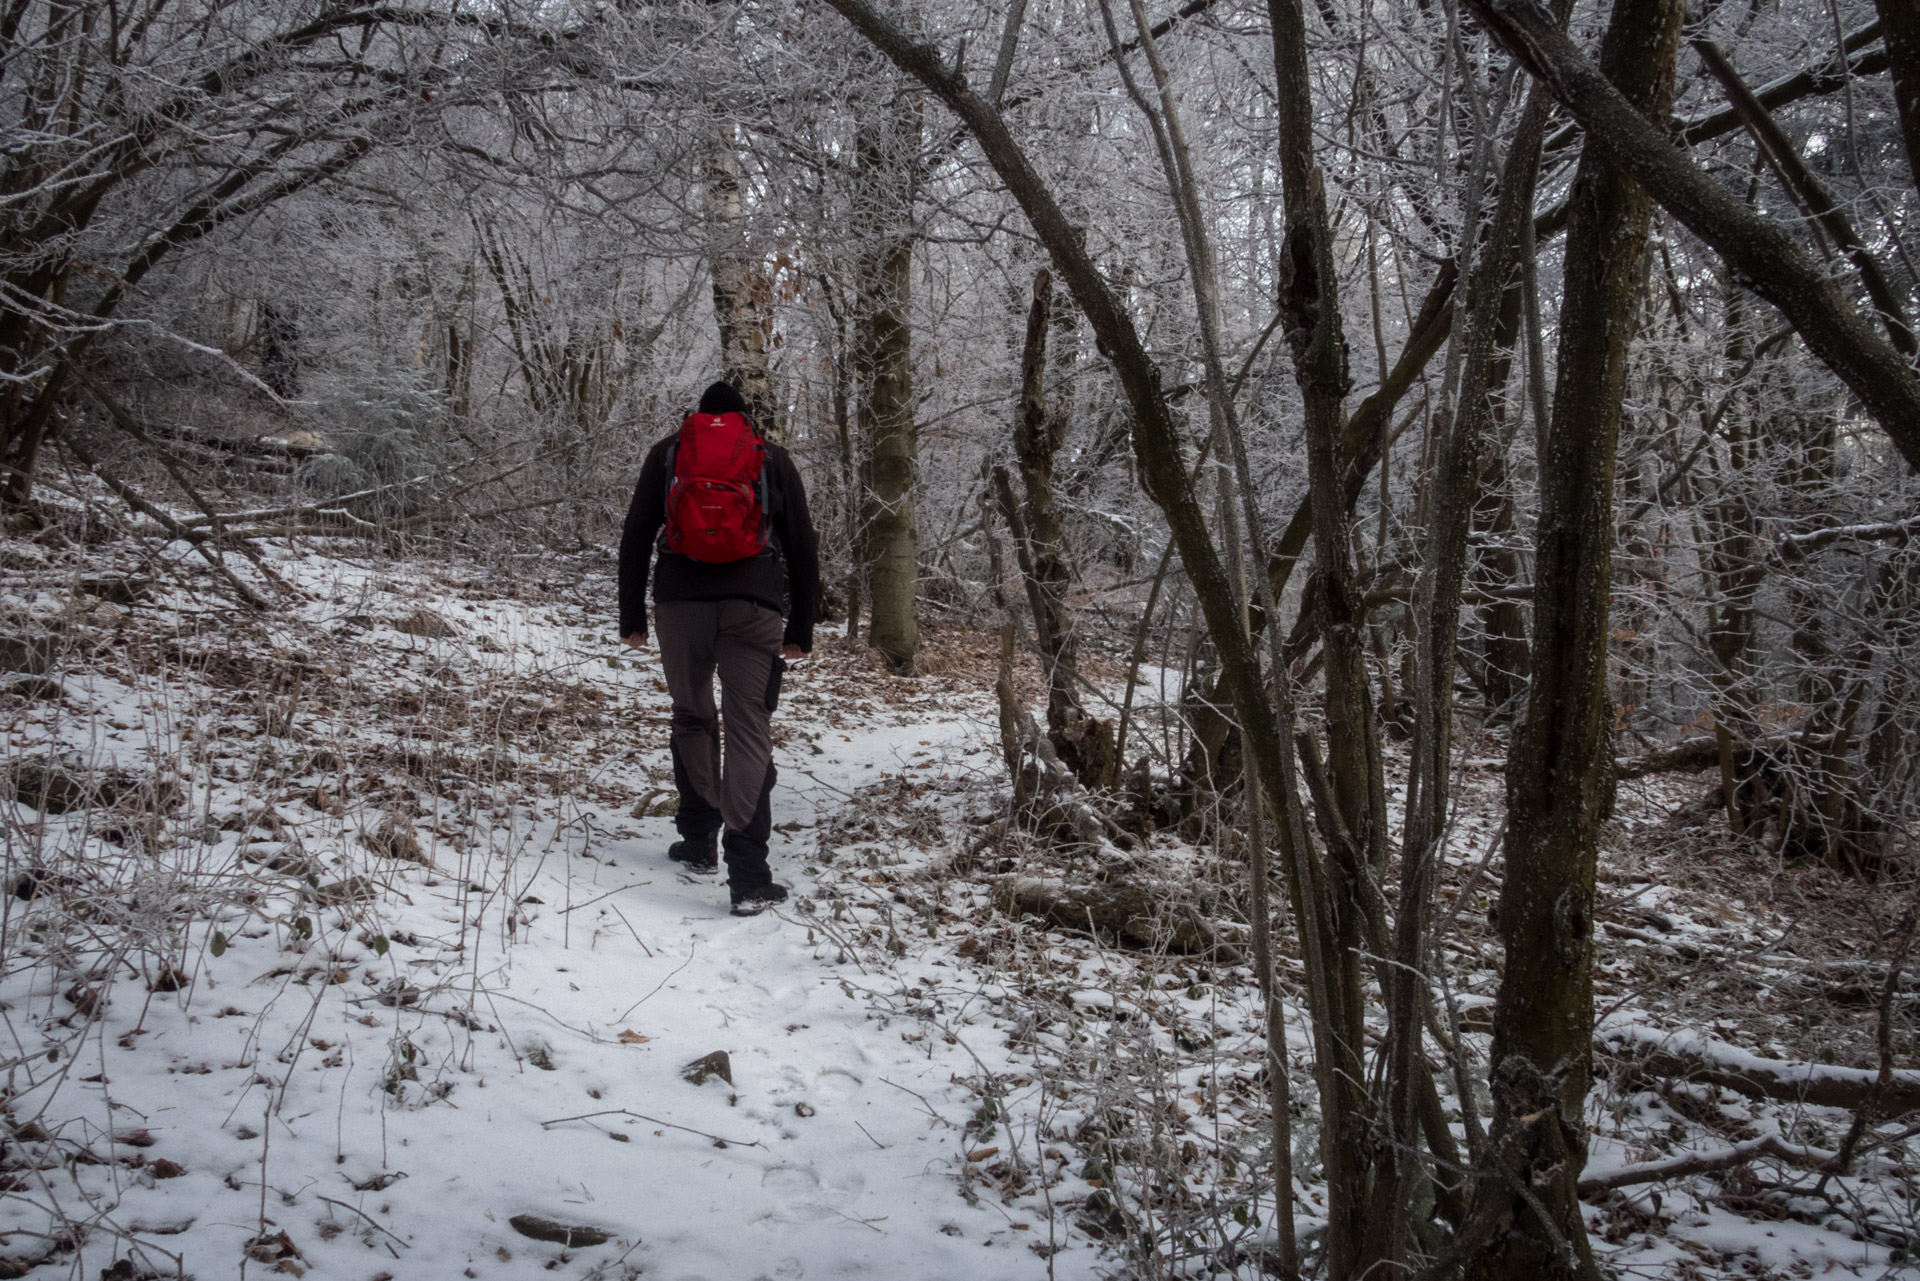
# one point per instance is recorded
(716, 496)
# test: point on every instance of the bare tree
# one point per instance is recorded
(159, 128)
(1526, 1215)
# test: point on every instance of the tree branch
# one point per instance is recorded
(1762, 253)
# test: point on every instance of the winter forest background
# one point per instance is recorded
(1375, 652)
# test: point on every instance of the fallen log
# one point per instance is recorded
(292, 446)
(1702, 751)
(1688, 1164)
(1131, 913)
(1690, 1057)
(1687, 756)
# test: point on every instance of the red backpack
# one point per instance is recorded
(717, 491)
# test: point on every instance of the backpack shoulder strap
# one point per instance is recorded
(666, 492)
(773, 497)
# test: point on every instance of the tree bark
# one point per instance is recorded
(1449, 498)
(1811, 194)
(1504, 658)
(1084, 743)
(1496, 565)
(742, 291)
(280, 349)
(1366, 1223)
(1715, 1063)
(886, 149)
(852, 480)
(1363, 440)
(1734, 570)
(1527, 1223)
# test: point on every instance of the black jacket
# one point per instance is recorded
(785, 577)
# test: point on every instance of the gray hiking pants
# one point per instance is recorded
(728, 790)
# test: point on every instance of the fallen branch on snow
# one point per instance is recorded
(1708, 1062)
(1689, 1164)
(654, 1120)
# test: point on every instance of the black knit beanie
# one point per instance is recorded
(722, 399)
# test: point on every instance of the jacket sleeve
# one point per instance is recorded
(802, 549)
(645, 515)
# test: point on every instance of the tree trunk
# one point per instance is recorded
(1559, 786)
(1357, 1235)
(280, 349)
(850, 500)
(886, 149)
(1496, 565)
(1165, 477)
(1735, 567)
(462, 336)
(852, 475)
(742, 290)
(1085, 744)
(1449, 498)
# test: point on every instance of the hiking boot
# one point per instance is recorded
(697, 854)
(754, 902)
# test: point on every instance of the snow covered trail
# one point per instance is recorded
(343, 942)
(374, 1066)
(841, 1141)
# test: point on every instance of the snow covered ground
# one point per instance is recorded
(375, 1076)
(344, 942)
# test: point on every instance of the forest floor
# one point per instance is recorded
(342, 941)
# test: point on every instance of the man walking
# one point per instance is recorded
(737, 551)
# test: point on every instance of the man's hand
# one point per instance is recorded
(788, 651)
(634, 640)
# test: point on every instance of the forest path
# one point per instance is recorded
(443, 977)
(346, 950)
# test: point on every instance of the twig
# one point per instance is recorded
(172, 526)
(363, 1214)
(1870, 1105)
(636, 933)
(1797, 546)
(691, 948)
(931, 1110)
(122, 418)
(652, 1120)
(609, 894)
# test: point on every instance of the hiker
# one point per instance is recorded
(736, 552)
